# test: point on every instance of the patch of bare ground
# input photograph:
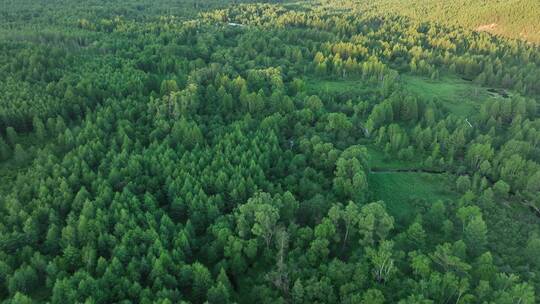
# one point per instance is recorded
(486, 27)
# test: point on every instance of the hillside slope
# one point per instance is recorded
(510, 18)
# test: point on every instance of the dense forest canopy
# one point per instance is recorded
(269, 152)
(518, 19)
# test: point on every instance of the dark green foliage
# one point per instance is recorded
(5, 150)
(19, 154)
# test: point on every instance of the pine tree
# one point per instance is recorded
(5, 151)
(20, 154)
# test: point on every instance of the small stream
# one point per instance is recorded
(405, 170)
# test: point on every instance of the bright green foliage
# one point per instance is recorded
(280, 152)
(516, 18)
(381, 261)
(476, 235)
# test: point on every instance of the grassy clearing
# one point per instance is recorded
(380, 161)
(399, 190)
(336, 86)
(461, 97)
(402, 190)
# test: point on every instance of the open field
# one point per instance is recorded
(461, 97)
(399, 189)
(348, 87)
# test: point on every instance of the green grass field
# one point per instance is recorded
(378, 160)
(335, 86)
(399, 189)
(461, 97)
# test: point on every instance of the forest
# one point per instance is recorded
(244, 151)
(508, 18)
